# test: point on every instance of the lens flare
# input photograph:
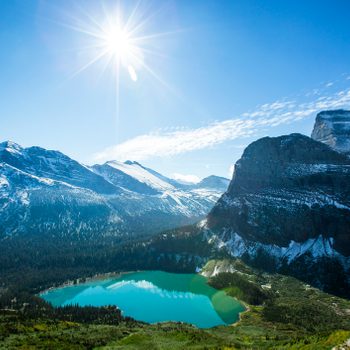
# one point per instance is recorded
(132, 73)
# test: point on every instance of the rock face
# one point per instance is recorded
(46, 192)
(288, 188)
(333, 129)
(289, 200)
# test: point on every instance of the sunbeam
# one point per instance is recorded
(120, 42)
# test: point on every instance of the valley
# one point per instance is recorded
(276, 239)
(284, 313)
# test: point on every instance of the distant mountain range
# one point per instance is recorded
(46, 192)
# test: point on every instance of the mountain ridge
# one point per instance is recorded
(49, 192)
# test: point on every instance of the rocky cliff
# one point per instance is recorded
(333, 129)
(288, 188)
(288, 209)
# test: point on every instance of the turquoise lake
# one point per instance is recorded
(154, 296)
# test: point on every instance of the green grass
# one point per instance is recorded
(253, 332)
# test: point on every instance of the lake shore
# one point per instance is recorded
(83, 280)
(240, 314)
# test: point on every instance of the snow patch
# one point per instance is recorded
(136, 171)
(317, 247)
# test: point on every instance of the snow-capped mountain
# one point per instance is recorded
(47, 192)
(143, 180)
(333, 129)
(214, 182)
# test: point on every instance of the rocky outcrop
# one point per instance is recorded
(287, 207)
(288, 188)
(333, 129)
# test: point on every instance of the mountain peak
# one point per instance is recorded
(295, 147)
(214, 182)
(11, 146)
(132, 162)
(333, 128)
(275, 161)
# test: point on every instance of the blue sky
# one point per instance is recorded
(224, 74)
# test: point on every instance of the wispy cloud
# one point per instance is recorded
(166, 143)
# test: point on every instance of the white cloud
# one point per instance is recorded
(162, 144)
(186, 178)
(176, 141)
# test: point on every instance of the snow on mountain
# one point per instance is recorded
(43, 191)
(53, 165)
(11, 147)
(123, 180)
(141, 174)
(317, 247)
(30, 204)
(163, 194)
(214, 182)
(333, 129)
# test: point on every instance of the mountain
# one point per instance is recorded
(333, 129)
(287, 191)
(52, 165)
(46, 192)
(287, 209)
(214, 182)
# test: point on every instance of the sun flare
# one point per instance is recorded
(120, 41)
(119, 45)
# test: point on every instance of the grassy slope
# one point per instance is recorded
(252, 333)
(295, 316)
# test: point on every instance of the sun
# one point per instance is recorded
(121, 46)
(118, 43)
